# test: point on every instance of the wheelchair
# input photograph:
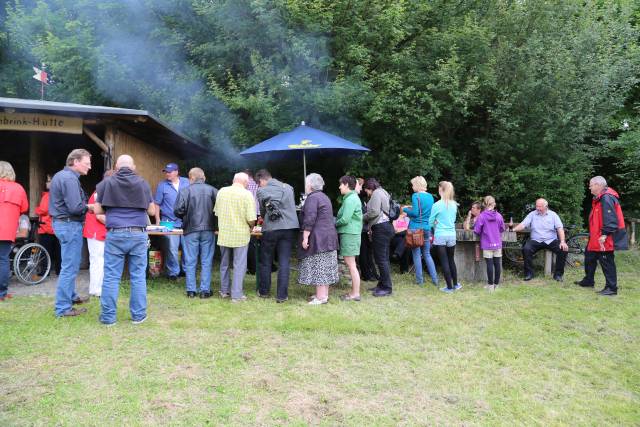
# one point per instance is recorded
(29, 261)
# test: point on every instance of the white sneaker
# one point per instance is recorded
(241, 299)
(316, 301)
(137, 322)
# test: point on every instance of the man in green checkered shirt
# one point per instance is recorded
(236, 211)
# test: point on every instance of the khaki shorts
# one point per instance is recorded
(497, 253)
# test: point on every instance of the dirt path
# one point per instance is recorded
(48, 287)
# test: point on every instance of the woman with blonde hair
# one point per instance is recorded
(419, 213)
(443, 218)
(13, 202)
(489, 226)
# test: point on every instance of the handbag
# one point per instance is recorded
(415, 239)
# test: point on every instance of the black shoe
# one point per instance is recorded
(280, 301)
(583, 284)
(172, 278)
(557, 278)
(606, 292)
(263, 295)
(382, 293)
(182, 274)
(205, 294)
(191, 294)
(528, 277)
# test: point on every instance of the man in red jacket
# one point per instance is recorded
(606, 234)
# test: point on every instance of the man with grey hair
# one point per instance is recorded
(67, 207)
(606, 234)
(236, 212)
(279, 231)
(547, 232)
(195, 207)
(125, 198)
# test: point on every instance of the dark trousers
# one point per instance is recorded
(5, 268)
(251, 256)
(608, 265)
(381, 239)
(367, 269)
(399, 251)
(52, 245)
(447, 257)
(531, 247)
(280, 241)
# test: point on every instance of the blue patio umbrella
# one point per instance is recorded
(303, 138)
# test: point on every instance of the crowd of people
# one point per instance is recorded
(114, 220)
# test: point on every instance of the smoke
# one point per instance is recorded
(154, 55)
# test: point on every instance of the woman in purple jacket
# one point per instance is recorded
(319, 246)
(489, 226)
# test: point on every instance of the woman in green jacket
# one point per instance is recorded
(349, 225)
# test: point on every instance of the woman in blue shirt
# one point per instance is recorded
(443, 218)
(419, 213)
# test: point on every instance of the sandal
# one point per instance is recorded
(316, 301)
(348, 297)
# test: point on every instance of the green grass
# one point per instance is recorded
(528, 354)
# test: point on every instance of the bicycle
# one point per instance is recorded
(577, 243)
(28, 260)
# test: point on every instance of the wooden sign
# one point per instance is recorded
(40, 123)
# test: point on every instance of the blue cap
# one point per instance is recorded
(170, 167)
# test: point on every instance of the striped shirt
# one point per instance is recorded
(235, 208)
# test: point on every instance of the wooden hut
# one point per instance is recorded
(37, 136)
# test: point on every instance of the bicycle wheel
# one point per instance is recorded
(32, 264)
(512, 252)
(577, 246)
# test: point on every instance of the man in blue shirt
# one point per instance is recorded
(547, 232)
(126, 199)
(67, 207)
(165, 201)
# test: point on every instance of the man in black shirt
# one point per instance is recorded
(67, 207)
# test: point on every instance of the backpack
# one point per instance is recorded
(394, 209)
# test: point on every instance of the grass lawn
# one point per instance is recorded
(539, 353)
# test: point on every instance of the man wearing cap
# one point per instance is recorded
(165, 200)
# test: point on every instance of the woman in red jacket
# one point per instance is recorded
(95, 232)
(13, 202)
(46, 236)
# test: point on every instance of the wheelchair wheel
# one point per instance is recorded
(32, 264)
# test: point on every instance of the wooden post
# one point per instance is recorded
(549, 260)
(36, 178)
(632, 240)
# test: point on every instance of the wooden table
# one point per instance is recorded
(256, 234)
(469, 262)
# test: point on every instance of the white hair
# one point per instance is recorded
(599, 180)
(315, 181)
(241, 178)
(546, 204)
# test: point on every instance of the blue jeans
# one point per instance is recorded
(424, 252)
(117, 246)
(171, 254)
(203, 243)
(70, 236)
(5, 250)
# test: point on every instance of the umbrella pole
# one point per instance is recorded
(304, 166)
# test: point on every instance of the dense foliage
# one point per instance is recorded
(519, 99)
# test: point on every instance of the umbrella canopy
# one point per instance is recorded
(303, 138)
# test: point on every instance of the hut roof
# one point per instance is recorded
(139, 123)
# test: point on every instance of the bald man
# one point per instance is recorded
(126, 200)
(547, 232)
(236, 212)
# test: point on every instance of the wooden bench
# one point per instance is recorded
(469, 261)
